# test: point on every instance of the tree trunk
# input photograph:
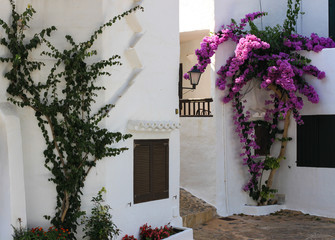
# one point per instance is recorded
(282, 148)
(65, 206)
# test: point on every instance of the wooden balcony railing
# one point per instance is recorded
(195, 107)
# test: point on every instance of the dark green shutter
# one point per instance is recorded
(331, 18)
(263, 139)
(315, 144)
(307, 142)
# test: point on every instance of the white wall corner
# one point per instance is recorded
(12, 196)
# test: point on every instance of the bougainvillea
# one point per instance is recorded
(269, 57)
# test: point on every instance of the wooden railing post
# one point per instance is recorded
(200, 107)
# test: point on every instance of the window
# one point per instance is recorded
(331, 20)
(151, 170)
(315, 141)
(263, 139)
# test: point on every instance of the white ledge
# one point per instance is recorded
(158, 126)
(262, 210)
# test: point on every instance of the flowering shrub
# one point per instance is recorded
(269, 57)
(39, 233)
(147, 233)
(130, 237)
(100, 226)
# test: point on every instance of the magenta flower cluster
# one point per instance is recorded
(282, 69)
(315, 43)
(210, 44)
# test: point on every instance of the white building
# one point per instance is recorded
(210, 164)
(145, 91)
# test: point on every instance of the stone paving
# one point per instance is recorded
(193, 210)
(283, 225)
(189, 204)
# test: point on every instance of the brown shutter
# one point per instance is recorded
(160, 173)
(151, 170)
(142, 189)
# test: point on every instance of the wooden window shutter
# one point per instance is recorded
(160, 173)
(151, 170)
(142, 188)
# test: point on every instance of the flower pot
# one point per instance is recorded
(261, 210)
(182, 234)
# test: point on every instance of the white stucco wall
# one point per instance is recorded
(198, 157)
(12, 189)
(311, 189)
(230, 196)
(152, 96)
(230, 174)
(197, 135)
(306, 189)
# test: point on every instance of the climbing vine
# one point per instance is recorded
(271, 58)
(63, 107)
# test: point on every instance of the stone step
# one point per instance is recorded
(193, 210)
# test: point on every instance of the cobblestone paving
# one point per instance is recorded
(283, 225)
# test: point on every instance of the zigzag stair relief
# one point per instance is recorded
(131, 54)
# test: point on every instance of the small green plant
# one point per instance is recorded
(99, 226)
(20, 233)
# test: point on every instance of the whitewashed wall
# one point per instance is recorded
(309, 189)
(198, 157)
(197, 135)
(230, 174)
(12, 189)
(153, 96)
(230, 196)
